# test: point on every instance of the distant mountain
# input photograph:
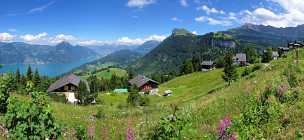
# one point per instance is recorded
(147, 47)
(266, 36)
(181, 45)
(18, 52)
(104, 50)
(121, 58)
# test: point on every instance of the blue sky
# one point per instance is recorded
(95, 22)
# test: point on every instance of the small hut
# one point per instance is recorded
(143, 83)
(240, 59)
(207, 65)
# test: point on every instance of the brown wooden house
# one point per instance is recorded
(68, 86)
(143, 83)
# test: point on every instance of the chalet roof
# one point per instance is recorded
(207, 63)
(240, 57)
(284, 48)
(141, 80)
(70, 79)
(275, 54)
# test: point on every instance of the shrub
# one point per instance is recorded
(100, 114)
(259, 117)
(135, 99)
(81, 133)
(31, 119)
(4, 94)
(169, 127)
(292, 75)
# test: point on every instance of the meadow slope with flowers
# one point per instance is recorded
(267, 103)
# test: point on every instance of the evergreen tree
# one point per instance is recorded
(36, 79)
(29, 74)
(252, 55)
(187, 67)
(230, 73)
(93, 82)
(267, 56)
(84, 94)
(18, 76)
(196, 62)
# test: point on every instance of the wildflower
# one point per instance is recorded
(104, 133)
(130, 133)
(224, 124)
(91, 131)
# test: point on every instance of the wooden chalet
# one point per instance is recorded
(207, 65)
(240, 59)
(144, 84)
(283, 50)
(68, 86)
(275, 55)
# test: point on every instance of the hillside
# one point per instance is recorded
(22, 53)
(182, 45)
(203, 99)
(120, 58)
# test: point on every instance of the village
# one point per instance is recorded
(69, 85)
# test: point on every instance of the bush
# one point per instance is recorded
(259, 118)
(292, 75)
(81, 133)
(31, 119)
(100, 114)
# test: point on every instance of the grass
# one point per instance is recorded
(203, 94)
(108, 73)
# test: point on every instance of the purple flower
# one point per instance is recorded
(91, 131)
(233, 137)
(224, 124)
(130, 132)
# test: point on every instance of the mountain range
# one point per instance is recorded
(22, 53)
(182, 45)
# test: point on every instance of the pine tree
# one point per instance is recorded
(267, 56)
(29, 74)
(18, 76)
(36, 79)
(230, 73)
(187, 67)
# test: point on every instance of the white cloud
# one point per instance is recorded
(44, 39)
(212, 21)
(291, 16)
(138, 41)
(6, 37)
(34, 38)
(12, 30)
(41, 8)
(176, 19)
(194, 32)
(200, 19)
(184, 3)
(62, 37)
(210, 10)
(139, 3)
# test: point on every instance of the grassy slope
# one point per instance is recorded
(107, 74)
(195, 93)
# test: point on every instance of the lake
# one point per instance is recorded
(51, 70)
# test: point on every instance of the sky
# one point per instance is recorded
(132, 22)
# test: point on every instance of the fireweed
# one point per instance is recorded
(130, 132)
(223, 133)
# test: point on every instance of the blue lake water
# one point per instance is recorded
(45, 69)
